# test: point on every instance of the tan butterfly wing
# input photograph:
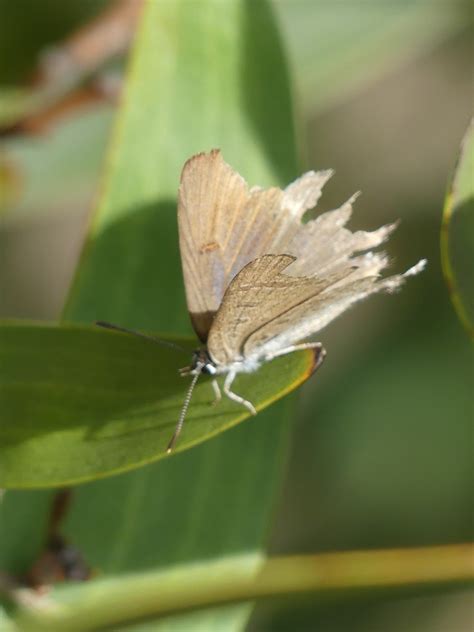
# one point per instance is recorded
(264, 311)
(224, 225)
(255, 297)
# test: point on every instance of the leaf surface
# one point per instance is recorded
(202, 75)
(82, 403)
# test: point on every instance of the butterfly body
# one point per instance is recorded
(203, 362)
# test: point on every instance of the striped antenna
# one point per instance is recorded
(184, 409)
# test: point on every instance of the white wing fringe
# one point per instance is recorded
(224, 225)
(417, 268)
(323, 246)
(328, 252)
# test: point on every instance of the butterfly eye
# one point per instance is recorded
(209, 369)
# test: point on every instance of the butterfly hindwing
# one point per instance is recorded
(256, 298)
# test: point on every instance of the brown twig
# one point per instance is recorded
(56, 86)
(106, 36)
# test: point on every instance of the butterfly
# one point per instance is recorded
(260, 282)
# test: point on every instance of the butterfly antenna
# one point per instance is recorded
(184, 409)
(124, 330)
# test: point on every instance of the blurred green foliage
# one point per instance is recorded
(380, 450)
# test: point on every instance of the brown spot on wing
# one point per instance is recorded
(212, 245)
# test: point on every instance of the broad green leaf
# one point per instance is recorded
(112, 603)
(457, 234)
(79, 404)
(207, 74)
(203, 74)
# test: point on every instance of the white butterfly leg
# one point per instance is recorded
(230, 377)
(217, 392)
(301, 347)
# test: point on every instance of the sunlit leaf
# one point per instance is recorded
(203, 74)
(78, 404)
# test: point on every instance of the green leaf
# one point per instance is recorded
(79, 404)
(112, 603)
(203, 74)
(457, 234)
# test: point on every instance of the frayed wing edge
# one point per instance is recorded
(391, 284)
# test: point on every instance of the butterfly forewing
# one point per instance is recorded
(224, 224)
(235, 242)
(210, 194)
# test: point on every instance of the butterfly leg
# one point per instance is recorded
(230, 377)
(320, 351)
(217, 392)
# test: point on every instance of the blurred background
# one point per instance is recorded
(382, 452)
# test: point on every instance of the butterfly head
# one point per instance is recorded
(201, 363)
